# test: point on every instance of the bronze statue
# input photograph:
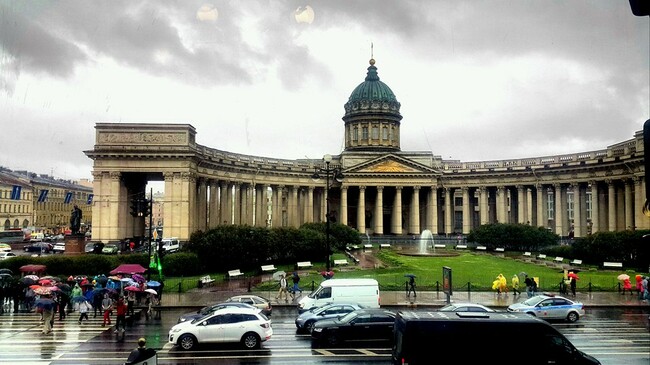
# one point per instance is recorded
(75, 220)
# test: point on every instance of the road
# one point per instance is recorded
(614, 336)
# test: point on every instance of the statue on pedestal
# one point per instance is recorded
(75, 220)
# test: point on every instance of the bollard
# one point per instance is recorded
(180, 290)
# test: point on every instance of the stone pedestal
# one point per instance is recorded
(75, 244)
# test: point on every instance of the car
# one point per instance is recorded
(44, 247)
(212, 308)
(110, 249)
(6, 255)
(94, 247)
(549, 306)
(57, 237)
(231, 324)
(306, 320)
(5, 247)
(59, 247)
(254, 300)
(465, 307)
(370, 324)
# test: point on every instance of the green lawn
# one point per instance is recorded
(476, 271)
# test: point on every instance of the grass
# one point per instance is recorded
(475, 271)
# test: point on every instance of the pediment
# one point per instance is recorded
(390, 164)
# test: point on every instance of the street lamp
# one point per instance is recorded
(335, 172)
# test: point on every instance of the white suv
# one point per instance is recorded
(231, 324)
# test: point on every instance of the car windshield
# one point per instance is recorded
(533, 301)
(348, 317)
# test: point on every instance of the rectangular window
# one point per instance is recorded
(364, 133)
(355, 134)
(570, 204)
(550, 204)
(375, 132)
(589, 203)
(384, 133)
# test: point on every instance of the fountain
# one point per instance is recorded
(422, 247)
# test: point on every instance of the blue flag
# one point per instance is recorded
(90, 199)
(42, 196)
(68, 197)
(15, 192)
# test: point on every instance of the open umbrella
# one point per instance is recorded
(277, 274)
(132, 288)
(45, 303)
(43, 290)
(149, 290)
(153, 283)
(623, 277)
(5, 276)
(45, 281)
(33, 277)
(28, 281)
(101, 280)
(139, 278)
(573, 275)
(6, 271)
(33, 268)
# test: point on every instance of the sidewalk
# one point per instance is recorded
(200, 297)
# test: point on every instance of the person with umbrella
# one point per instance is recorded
(627, 285)
(573, 282)
(411, 285)
(46, 306)
(84, 306)
(283, 290)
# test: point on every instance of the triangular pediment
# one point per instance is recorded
(390, 164)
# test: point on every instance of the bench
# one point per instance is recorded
(527, 254)
(206, 280)
(351, 256)
(384, 245)
(460, 247)
(576, 262)
(367, 245)
(613, 265)
(438, 245)
(304, 264)
(340, 262)
(541, 256)
(500, 249)
(268, 268)
(234, 274)
(558, 259)
(481, 248)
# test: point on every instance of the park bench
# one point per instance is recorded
(558, 259)
(500, 249)
(608, 265)
(340, 262)
(438, 245)
(304, 264)
(233, 274)
(481, 248)
(268, 268)
(460, 247)
(576, 262)
(206, 280)
(541, 256)
(528, 254)
(367, 245)
(384, 245)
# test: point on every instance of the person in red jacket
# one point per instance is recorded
(121, 308)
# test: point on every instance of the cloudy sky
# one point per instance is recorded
(477, 80)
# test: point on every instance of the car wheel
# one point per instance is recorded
(251, 341)
(26, 249)
(309, 326)
(187, 342)
(572, 317)
(333, 339)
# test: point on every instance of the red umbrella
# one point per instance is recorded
(132, 288)
(573, 275)
(33, 268)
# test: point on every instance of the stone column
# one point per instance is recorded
(595, 217)
(202, 204)
(213, 212)
(236, 204)
(293, 207)
(501, 204)
(559, 210)
(629, 206)
(396, 220)
(639, 201)
(224, 210)
(276, 213)
(415, 211)
(577, 210)
(449, 206)
(483, 205)
(529, 206)
(542, 219)
(310, 204)
(101, 202)
(521, 206)
(361, 210)
(432, 210)
(611, 205)
(343, 214)
(379, 211)
(466, 204)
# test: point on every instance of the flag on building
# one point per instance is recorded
(90, 199)
(42, 196)
(68, 197)
(15, 192)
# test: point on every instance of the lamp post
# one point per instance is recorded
(335, 172)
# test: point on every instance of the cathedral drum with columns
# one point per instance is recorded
(384, 190)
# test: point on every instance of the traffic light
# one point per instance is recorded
(135, 207)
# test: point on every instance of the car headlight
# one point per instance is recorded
(174, 330)
(182, 320)
(317, 329)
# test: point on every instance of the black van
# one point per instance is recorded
(468, 337)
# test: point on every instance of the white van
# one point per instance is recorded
(170, 245)
(362, 291)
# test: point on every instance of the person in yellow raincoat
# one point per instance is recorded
(515, 284)
(500, 284)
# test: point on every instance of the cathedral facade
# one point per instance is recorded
(372, 185)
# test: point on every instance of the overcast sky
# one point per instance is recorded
(477, 80)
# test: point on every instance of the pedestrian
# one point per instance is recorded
(572, 284)
(63, 303)
(283, 289)
(296, 279)
(639, 286)
(120, 309)
(83, 308)
(529, 286)
(131, 245)
(47, 316)
(97, 303)
(627, 285)
(644, 288)
(130, 301)
(411, 287)
(515, 285)
(107, 309)
(142, 354)
(533, 286)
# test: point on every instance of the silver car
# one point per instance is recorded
(550, 306)
(465, 307)
(306, 320)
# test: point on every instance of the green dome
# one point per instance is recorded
(372, 94)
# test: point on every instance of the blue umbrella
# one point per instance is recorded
(45, 303)
(153, 283)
